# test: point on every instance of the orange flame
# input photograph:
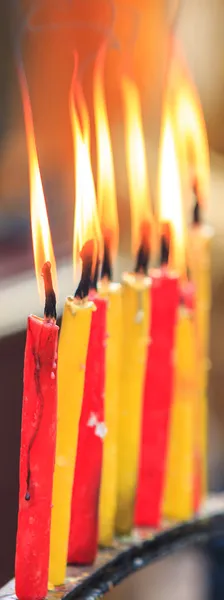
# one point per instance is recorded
(86, 222)
(106, 189)
(140, 199)
(41, 235)
(190, 125)
(82, 108)
(170, 194)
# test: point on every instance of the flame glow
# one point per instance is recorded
(141, 211)
(190, 125)
(106, 189)
(41, 235)
(170, 195)
(81, 102)
(86, 222)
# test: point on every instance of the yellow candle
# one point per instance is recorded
(135, 322)
(72, 351)
(200, 237)
(180, 471)
(108, 491)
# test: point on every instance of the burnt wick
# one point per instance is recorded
(142, 259)
(165, 249)
(86, 255)
(196, 217)
(196, 213)
(143, 254)
(95, 276)
(50, 297)
(106, 271)
(165, 241)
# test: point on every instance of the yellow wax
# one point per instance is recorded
(135, 321)
(200, 266)
(108, 491)
(178, 500)
(72, 351)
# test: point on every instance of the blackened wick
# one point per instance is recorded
(106, 265)
(50, 298)
(86, 255)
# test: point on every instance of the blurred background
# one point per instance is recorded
(43, 36)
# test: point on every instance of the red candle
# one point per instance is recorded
(157, 398)
(85, 497)
(37, 454)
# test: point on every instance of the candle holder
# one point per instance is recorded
(131, 554)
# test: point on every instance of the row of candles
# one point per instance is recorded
(114, 417)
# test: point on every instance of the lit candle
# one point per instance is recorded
(83, 536)
(193, 146)
(72, 354)
(86, 486)
(199, 251)
(39, 413)
(106, 194)
(181, 455)
(158, 390)
(135, 311)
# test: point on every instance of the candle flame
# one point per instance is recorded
(83, 112)
(106, 189)
(86, 221)
(192, 136)
(140, 199)
(170, 194)
(41, 235)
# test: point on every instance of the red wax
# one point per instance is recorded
(37, 455)
(85, 496)
(157, 399)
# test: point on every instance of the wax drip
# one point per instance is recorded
(140, 310)
(106, 266)
(40, 413)
(37, 362)
(87, 256)
(50, 314)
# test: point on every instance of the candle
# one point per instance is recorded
(181, 453)
(108, 491)
(135, 311)
(200, 237)
(193, 145)
(86, 486)
(157, 398)
(92, 430)
(106, 193)
(37, 456)
(178, 503)
(158, 391)
(39, 412)
(72, 354)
